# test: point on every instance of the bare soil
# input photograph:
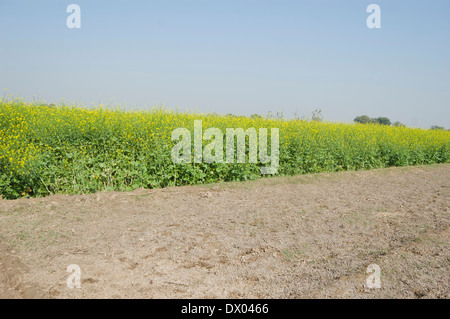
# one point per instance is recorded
(310, 236)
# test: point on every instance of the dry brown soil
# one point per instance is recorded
(310, 236)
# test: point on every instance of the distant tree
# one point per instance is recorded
(438, 128)
(255, 116)
(317, 115)
(280, 115)
(398, 124)
(383, 121)
(363, 119)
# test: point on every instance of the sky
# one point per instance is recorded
(240, 57)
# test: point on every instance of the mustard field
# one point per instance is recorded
(69, 149)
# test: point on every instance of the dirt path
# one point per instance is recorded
(298, 237)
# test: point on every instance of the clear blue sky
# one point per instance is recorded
(243, 57)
